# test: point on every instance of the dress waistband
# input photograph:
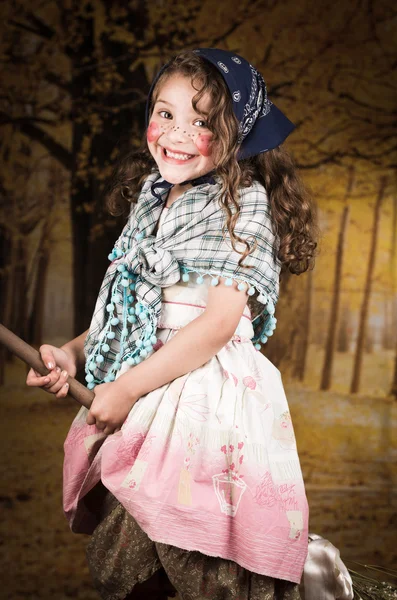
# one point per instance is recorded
(175, 315)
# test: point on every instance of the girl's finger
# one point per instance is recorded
(34, 381)
(58, 380)
(90, 420)
(53, 375)
(63, 391)
(47, 357)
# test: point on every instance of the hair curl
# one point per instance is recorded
(294, 214)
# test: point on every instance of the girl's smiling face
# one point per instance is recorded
(178, 137)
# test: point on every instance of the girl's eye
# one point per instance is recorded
(200, 123)
(165, 114)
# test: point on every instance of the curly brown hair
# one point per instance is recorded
(294, 214)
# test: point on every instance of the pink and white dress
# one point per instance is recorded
(207, 462)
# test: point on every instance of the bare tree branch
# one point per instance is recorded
(37, 26)
(18, 121)
(378, 109)
(28, 127)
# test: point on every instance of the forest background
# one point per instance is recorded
(73, 83)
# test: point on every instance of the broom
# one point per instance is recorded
(33, 359)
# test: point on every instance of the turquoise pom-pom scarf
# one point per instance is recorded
(193, 241)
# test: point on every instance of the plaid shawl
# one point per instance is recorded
(190, 241)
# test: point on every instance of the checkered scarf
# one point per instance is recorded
(190, 240)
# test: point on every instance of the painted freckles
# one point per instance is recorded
(203, 143)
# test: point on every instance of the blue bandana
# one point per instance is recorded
(262, 125)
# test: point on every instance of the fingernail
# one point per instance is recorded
(58, 370)
(64, 373)
(66, 386)
(50, 365)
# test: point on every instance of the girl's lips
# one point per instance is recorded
(176, 161)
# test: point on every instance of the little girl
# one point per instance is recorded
(187, 460)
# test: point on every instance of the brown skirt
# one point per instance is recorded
(120, 555)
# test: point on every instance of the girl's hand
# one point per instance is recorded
(110, 407)
(61, 365)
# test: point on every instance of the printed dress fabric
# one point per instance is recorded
(206, 463)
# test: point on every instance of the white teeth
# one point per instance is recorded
(177, 156)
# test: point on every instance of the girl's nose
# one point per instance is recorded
(177, 134)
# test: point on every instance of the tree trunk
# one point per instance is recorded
(326, 376)
(344, 332)
(11, 290)
(5, 288)
(93, 234)
(20, 310)
(393, 389)
(305, 331)
(393, 268)
(36, 317)
(355, 384)
(387, 329)
(279, 348)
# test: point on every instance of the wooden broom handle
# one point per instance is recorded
(32, 358)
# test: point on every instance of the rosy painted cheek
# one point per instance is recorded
(203, 143)
(153, 132)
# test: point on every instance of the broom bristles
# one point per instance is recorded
(366, 587)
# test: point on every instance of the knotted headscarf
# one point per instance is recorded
(262, 125)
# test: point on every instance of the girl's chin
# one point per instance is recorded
(176, 178)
